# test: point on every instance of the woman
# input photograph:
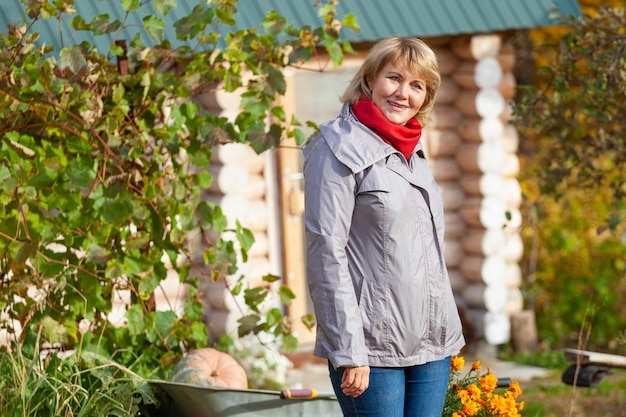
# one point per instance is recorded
(386, 317)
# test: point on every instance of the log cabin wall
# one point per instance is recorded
(472, 150)
(244, 186)
(473, 155)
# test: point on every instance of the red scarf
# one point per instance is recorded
(402, 137)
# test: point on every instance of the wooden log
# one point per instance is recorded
(493, 327)
(239, 154)
(254, 270)
(524, 331)
(483, 73)
(229, 179)
(514, 218)
(513, 276)
(512, 192)
(257, 215)
(441, 142)
(511, 167)
(488, 212)
(490, 270)
(452, 194)
(489, 184)
(260, 248)
(455, 226)
(220, 323)
(446, 60)
(488, 297)
(476, 46)
(506, 56)
(510, 138)
(448, 91)
(508, 86)
(480, 158)
(513, 247)
(256, 188)
(497, 328)
(445, 169)
(514, 301)
(453, 253)
(236, 206)
(457, 281)
(476, 129)
(207, 99)
(479, 241)
(507, 114)
(444, 117)
(486, 102)
(477, 319)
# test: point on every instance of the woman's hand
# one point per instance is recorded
(355, 380)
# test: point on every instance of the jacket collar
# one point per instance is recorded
(353, 143)
(357, 147)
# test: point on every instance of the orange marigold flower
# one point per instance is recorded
(457, 363)
(515, 389)
(476, 366)
(520, 405)
(473, 391)
(488, 382)
(471, 408)
(463, 395)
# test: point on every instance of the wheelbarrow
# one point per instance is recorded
(187, 400)
(589, 368)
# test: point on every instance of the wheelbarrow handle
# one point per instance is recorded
(298, 394)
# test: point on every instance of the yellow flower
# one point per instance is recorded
(515, 389)
(457, 363)
(471, 408)
(488, 382)
(476, 366)
(473, 391)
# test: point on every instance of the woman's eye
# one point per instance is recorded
(417, 86)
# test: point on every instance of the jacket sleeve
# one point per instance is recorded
(329, 204)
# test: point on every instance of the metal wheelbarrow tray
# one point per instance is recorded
(187, 400)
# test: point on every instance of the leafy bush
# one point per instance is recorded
(573, 175)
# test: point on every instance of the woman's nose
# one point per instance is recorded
(403, 90)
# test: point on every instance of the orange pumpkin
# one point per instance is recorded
(210, 367)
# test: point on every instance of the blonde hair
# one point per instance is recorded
(418, 57)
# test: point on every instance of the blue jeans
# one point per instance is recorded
(414, 391)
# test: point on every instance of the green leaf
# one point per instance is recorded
(352, 22)
(155, 26)
(270, 278)
(199, 332)
(136, 319)
(164, 6)
(276, 80)
(131, 5)
(245, 237)
(273, 317)
(102, 25)
(190, 26)
(334, 51)
(205, 179)
(18, 148)
(286, 295)
(78, 23)
(247, 324)
(290, 343)
(253, 297)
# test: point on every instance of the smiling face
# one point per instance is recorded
(398, 93)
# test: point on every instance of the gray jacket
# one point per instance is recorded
(375, 268)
